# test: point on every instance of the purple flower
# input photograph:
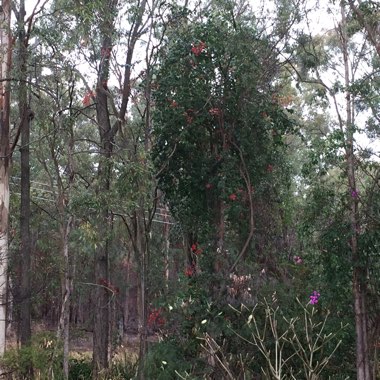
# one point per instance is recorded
(354, 193)
(297, 260)
(314, 297)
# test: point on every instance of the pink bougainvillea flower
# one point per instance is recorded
(297, 260)
(314, 297)
(208, 186)
(194, 247)
(270, 168)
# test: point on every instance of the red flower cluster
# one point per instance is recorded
(209, 186)
(232, 197)
(189, 271)
(270, 168)
(215, 111)
(197, 49)
(87, 98)
(195, 249)
(155, 318)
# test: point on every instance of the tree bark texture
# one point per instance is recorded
(64, 320)
(101, 270)
(5, 60)
(107, 133)
(24, 301)
(363, 363)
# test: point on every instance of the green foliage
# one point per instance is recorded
(219, 122)
(165, 360)
(209, 339)
(44, 354)
(80, 368)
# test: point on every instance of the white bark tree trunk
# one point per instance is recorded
(5, 55)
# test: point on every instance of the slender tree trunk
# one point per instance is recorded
(363, 364)
(64, 320)
(5, 57)
(141, 248)
(25, 120)
(166, 235)
(108, 10)
(102, 294)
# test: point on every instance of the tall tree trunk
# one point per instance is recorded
(66, 221)
(101, 271)
(166, 236)
(25, 120)
(64, 320)
(363, 364)
(5, 57)
(141, 250)
(108, 9)
(102, 294)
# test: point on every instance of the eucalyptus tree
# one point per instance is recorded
(367, 15)
(25, 115)
(5, 156)
(22, 296)
(103, 37)
(340, 67)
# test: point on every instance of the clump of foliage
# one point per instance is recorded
(44, 354)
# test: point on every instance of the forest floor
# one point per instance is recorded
(81, 341)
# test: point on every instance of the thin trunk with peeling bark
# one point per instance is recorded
(141, 251)
(25, 116)
(363, 363)
(107, 133)
(166, 235)
(5, 59)
(64, 320)
(104, 222)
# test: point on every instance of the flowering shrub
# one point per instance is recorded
(314, 297)
(155, 318)
(215, 111)
(232, 197)
(189, 271)
(195, 249)
(198, 49)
